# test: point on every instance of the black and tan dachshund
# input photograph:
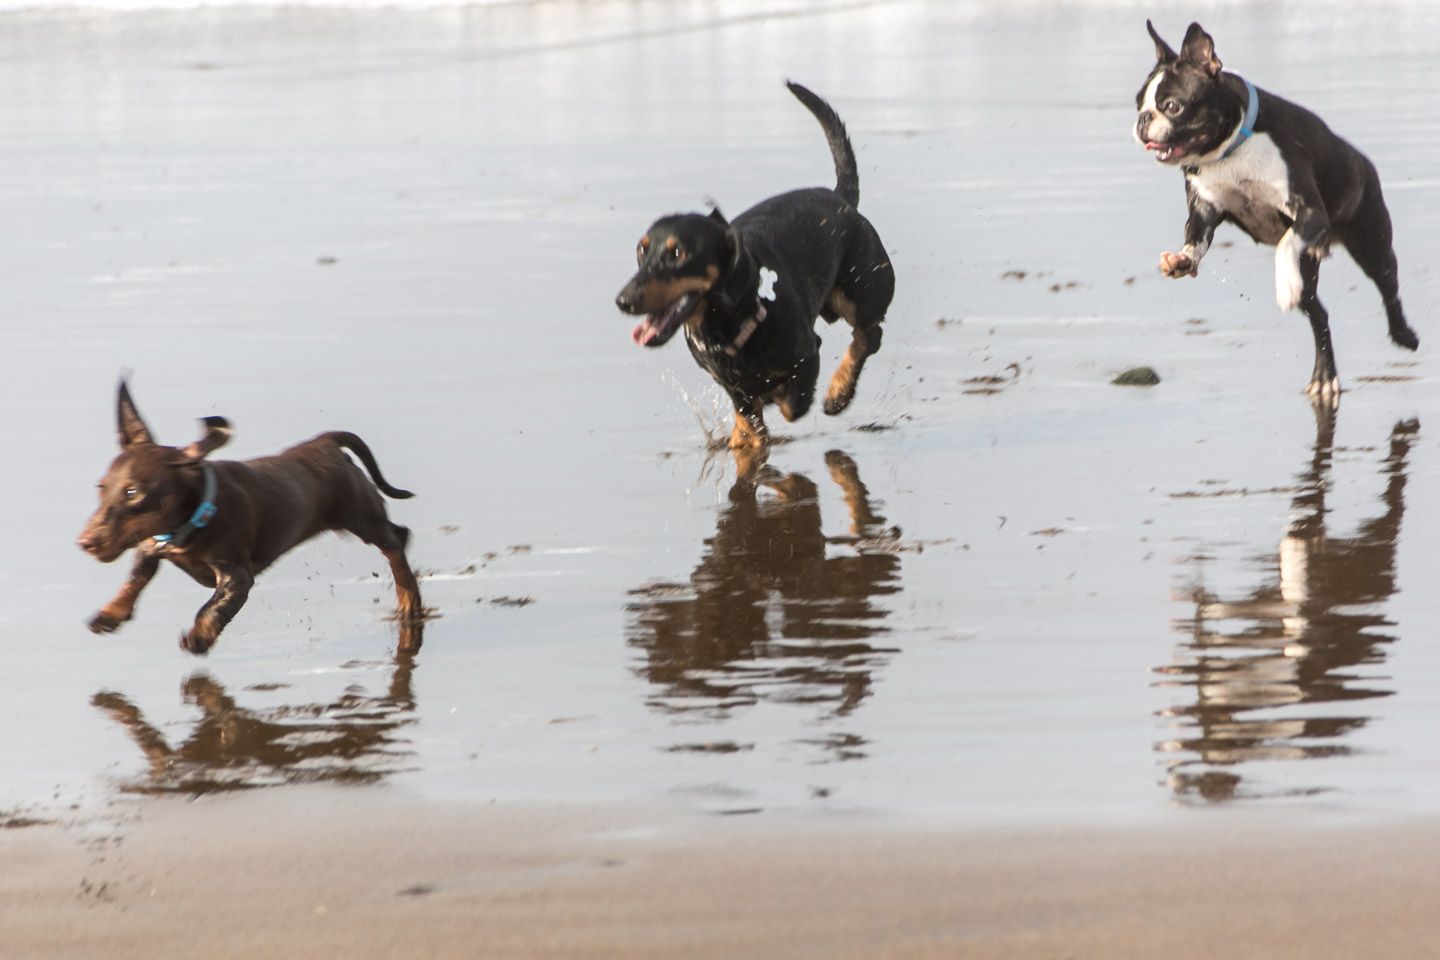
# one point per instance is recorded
(747, 292)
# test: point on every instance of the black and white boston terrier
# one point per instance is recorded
(1276, 171)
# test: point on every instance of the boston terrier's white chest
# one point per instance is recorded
(1252, 185)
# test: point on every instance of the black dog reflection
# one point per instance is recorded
(775, 610)
(1306, 638)
(355, 739)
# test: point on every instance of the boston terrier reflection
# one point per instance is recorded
(776, 609)
(1260, 667)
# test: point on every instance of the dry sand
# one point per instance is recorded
(325, 873)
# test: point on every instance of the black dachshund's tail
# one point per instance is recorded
(847, 178)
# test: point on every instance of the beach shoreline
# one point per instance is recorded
(373, 873)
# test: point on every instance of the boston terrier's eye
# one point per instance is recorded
(1172, 108)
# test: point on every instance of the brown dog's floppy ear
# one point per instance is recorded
(217, 434)
(1199, 50)
(1163, 53)
(132, 428)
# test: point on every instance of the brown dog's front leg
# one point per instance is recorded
(232, 589)
(122, 606)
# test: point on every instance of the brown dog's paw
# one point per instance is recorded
(104, 622)
(1177, 265)
(197, 642)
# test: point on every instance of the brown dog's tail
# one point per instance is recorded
(357, 446)
(847, 176)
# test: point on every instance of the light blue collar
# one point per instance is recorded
(1252, 111)
(198, 520)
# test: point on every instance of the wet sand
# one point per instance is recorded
(370, 874)
(1006, 661)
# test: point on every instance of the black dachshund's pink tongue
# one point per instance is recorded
(645, 330)
(657, 328)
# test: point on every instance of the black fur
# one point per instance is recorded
(1331, 190)
(707, 275)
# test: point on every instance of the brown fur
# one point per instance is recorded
(266, 506)
(658, 294)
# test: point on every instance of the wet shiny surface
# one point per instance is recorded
(998, 588)
(1284, 671)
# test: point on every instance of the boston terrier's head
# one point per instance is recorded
(1185, 110)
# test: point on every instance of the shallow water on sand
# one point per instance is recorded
(996, 589)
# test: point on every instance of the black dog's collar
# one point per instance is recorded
(738, 294)
(1252, 112)
(198, 520)
(747, 330)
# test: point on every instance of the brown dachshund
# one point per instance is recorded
(225, 522)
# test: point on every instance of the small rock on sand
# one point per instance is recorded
(1137, 377)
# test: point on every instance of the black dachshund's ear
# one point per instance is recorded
(1163, 53)
(217, 434)
(131, 426)
(718, 217)
(733, 247)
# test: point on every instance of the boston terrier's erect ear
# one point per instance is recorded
(1163, 53)
(1199, 50)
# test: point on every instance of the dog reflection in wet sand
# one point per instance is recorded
(354, 739)
(776, 609)
(1309, 637)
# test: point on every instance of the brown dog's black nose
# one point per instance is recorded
(86, 542)
(624, 302)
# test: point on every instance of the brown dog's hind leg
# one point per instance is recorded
(407, 589)
(122, 606)
(376, 529)
(232, 589)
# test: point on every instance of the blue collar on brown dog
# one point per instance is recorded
(198, 520)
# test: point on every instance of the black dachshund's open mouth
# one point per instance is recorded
(657, 328)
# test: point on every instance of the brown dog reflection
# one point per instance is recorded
(355, 739)
(776, 609)
(1307, 637)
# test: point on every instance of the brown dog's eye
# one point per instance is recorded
(1172, 108)
(131, 493)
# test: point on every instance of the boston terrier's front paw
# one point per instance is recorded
(1177, 265)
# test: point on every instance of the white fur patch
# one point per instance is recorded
(1160, 124)
(768, 279)
(1288, 283)
(1252, 185)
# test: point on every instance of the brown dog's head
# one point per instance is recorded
(681, 258)
(149, 489)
